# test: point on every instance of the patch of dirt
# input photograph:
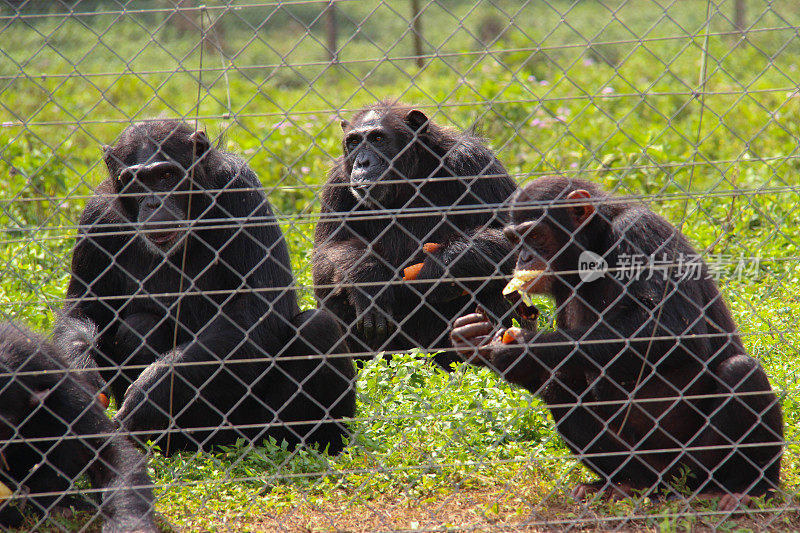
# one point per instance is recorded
(498, 509)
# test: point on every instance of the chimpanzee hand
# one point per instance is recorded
(139, 411)
(475, 338)
(374, 321)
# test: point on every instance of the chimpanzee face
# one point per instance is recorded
(158, 193)
(538, 250)
(376, 149)
(546, 230)
(369, 150)
(151, 172)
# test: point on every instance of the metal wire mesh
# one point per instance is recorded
(253, 226)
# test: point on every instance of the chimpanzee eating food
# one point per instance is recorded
(182, 296)
(53, 429)
(645, 375)
(410, 200)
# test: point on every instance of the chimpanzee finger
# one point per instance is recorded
(369, 325)
(469, 332)
(468, 319)
(381, 328)
(472, 352)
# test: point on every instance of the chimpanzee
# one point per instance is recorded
(53, 429)
(645, 375)
(182, 294)
(410, 193)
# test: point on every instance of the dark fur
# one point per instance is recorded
(359, 261)
(53, 430)
(602, 342)
(238, 313)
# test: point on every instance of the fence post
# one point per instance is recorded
(740, 14)
(416, 27)
(330, 28)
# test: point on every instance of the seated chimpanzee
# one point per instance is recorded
(182, 296)
(409, 196)
(53, 429)
(645, 375)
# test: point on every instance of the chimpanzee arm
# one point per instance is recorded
(220, 351)
(254, 253)
(347, 267)
(473, 257)
(93, 444)
(121, 471)
(561, 384)
(614, 347)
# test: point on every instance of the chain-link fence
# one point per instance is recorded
(413, 265)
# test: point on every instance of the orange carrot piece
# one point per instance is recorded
(430, 247)
(103, 399)
(510, 335)
(411, 273)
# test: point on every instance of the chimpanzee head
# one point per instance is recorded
(27, 376)
(151, 166)
(553, 221)
(379, 147)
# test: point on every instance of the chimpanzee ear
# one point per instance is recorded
(417, 121)
(106, 149)
(344, 124)
(580, 211)
(109, 160)
(200, 142)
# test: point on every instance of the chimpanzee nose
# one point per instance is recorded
(362, 162)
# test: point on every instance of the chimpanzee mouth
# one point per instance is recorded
(163, 238)
(526, 281)
(364, 195)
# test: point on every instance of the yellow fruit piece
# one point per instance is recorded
(5, 492)
(521, 277)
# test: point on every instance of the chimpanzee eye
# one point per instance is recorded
(377, 138)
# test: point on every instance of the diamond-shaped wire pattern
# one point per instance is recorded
(336, 265)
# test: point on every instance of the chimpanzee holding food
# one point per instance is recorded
(182, 295)
(645, 375)
(410, 236)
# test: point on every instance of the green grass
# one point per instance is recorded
(606, 93)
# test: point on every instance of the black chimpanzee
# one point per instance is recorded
(410, 192)
(646, 376)
(53, 429)
(182, 293)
